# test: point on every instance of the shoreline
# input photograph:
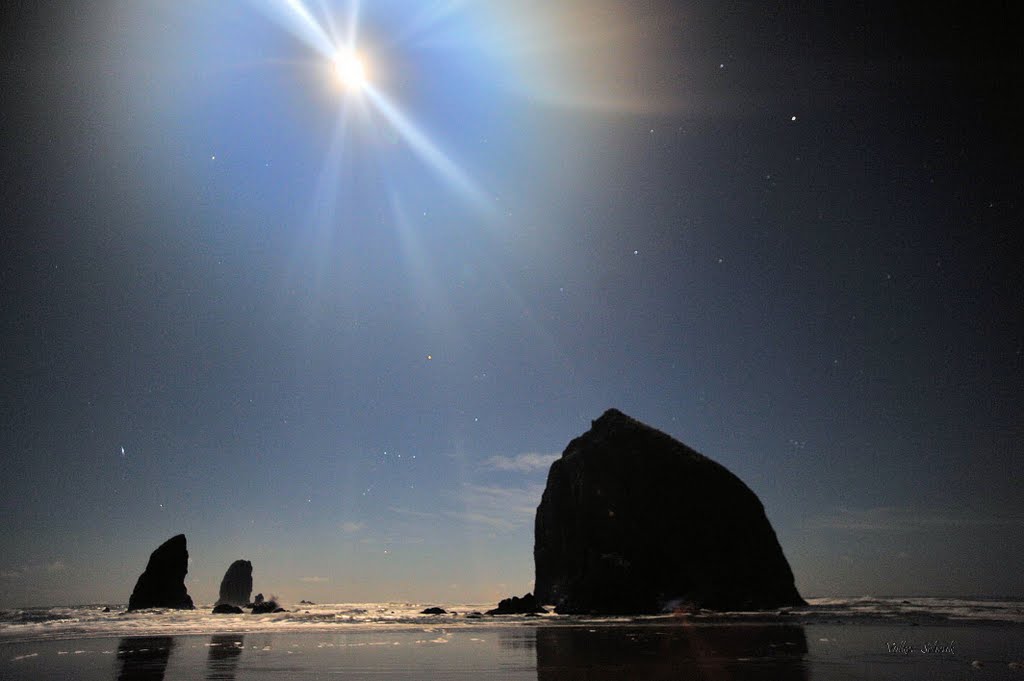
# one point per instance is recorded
(54, 624)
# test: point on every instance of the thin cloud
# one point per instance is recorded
(528, 462)
(392, 540)
(497, 507)
(500, 508)
(897, 519)
(492, 521)
(31, 569)
(351, 527)
(411, 513)
(313, 580)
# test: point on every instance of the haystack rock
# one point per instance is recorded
(162, 585)
(236, 587)
(633, 521)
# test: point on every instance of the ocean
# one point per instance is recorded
(861, 638)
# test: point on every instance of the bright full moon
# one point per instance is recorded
(350, 70)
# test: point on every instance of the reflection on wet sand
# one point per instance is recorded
(222, 662)
(144, 658)
(749, 652)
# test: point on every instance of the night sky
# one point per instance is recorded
(341, 330)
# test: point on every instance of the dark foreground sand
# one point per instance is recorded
(780, 652)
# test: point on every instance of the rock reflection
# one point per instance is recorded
(748, 652)
(525, 640)
(144, 658)
(222, 662)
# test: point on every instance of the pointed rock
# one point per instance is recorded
(236, 587)
(633, 521)
(162, 585)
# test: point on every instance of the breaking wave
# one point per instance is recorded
(92, 621)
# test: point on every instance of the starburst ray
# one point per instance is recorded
(296, 18)
(426, 149)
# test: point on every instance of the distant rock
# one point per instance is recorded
(474, 615)
(527, 605)
(262, 607)
(632, 521)
(236, 587)
(306, 603)
(162, 584)
(434, 611)
(226, 609)
(106, 609)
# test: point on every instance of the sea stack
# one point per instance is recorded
(162, 585)
(527, 605)
(633, 521)
(236, 587)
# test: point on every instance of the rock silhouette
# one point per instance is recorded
(527, 605)
(262, 607)
(633, 521)
(226, 609)
(162, 585)
(236, 587)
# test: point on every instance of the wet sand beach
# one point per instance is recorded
(784, 652)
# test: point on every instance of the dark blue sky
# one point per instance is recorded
(341, 333)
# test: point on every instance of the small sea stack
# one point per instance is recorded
(633, 521)
(236, 587)
(226, 609)
(262, 607)
(162, 584)
(527, 605)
